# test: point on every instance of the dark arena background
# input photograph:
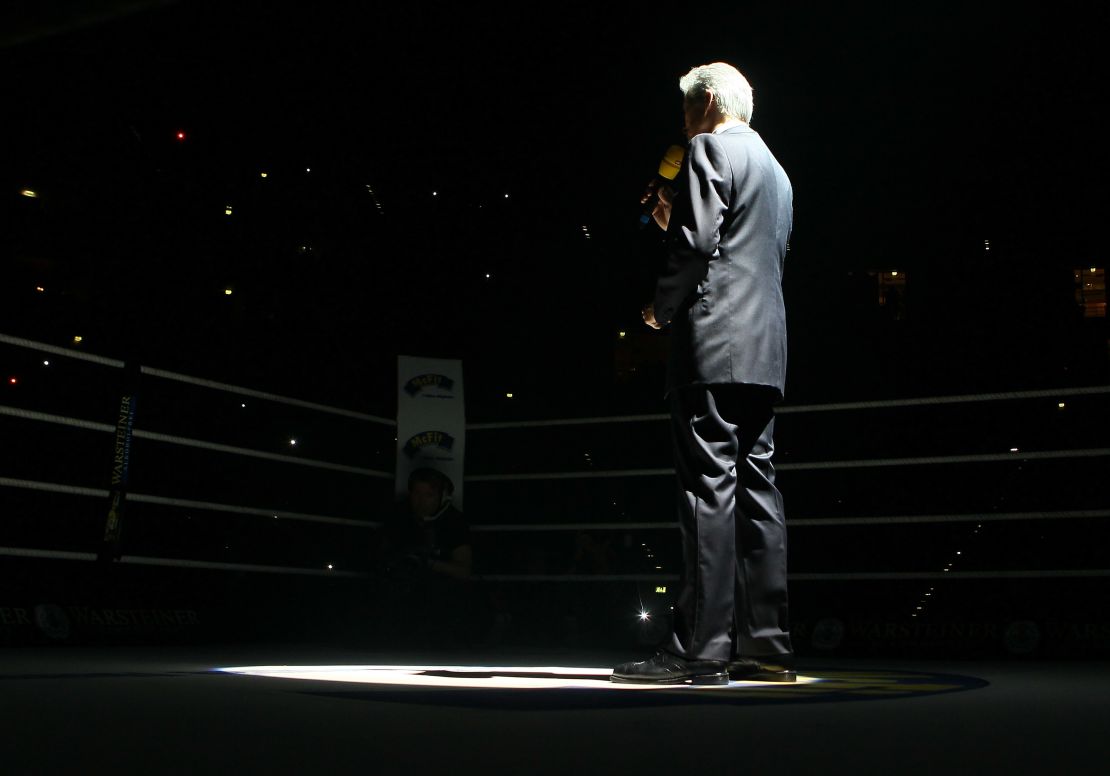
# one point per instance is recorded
(224, 222)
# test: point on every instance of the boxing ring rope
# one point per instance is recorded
(835, 407)
(1012, 455)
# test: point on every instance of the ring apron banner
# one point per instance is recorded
(431, 420)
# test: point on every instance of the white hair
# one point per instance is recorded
(731, 91)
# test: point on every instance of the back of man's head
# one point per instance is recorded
(732, 93)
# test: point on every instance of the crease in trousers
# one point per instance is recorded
(732, 601)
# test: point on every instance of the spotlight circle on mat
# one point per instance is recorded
(565, 687)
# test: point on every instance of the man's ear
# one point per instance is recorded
(710, 102)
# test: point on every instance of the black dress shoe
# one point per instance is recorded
(665, 668)
(764, 668)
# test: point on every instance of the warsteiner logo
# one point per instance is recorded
(417, 384)
(424, 439)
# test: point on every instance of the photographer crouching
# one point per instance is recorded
(426, 565)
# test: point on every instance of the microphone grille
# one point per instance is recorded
(672, 162)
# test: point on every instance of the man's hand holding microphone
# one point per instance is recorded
(660, 191)
(664, 197)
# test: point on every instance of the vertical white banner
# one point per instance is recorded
(431, 420)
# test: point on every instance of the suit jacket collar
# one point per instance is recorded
(738, 129)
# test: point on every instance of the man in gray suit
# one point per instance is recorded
(727, 223)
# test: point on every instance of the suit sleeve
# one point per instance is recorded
(695, 227)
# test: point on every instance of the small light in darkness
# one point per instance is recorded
(293, 442)
(180, 135)
(40, 289)
(508, 396)
(35, 194)
(227, 292)
(77, 339)
(46, 363)
(265, 174)
(1061, 405)
(13, 380)
(621, 334)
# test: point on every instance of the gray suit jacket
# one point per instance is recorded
(721, 291)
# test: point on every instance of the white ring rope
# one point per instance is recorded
(140, 560)
(803, 577)
(1078, 514)
(956, 399)
(1090, 452)
(566, 422)
(861, 463)
(817, 576)
(569, 475)
(579, 577)
(54, 350)
(50, 487)
(1094, 452)
(797, 522)
(198, 443)
(142, 498)
(165, 375)
(840, 406)
(198, 381)
(43, 417)
(784, 409)
(26, 552)
(538, 527)
(154, 436)
(1028, 574)
(233, 509)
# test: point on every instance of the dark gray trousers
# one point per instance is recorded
(732, 600)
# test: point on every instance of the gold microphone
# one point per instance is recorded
(668, 171)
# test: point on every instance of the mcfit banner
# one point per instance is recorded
(431, 420)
